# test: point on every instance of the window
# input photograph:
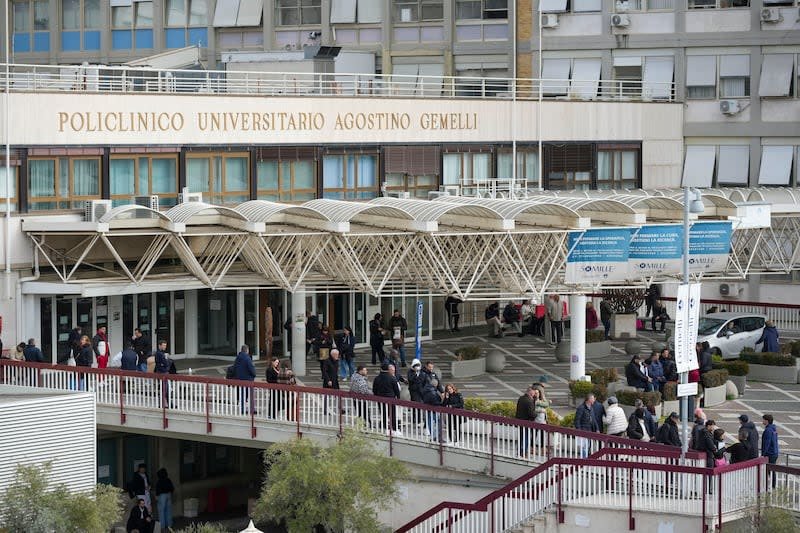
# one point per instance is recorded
(776, 75)
(701, 77)
(31, 20)
(481, 82)
(527, 165)
(628, 71)
(698, 166)
(222, 178)
(481, 9)
(418, 10)
(287, 180)
(350, 176)
(719, 4)
(776, 165)
(617, 169)
(623, 6)
(733, 165)
(569, 167)
(141, 175)
(734, 76)
(132, 26)
(12, 187)
(63, 182)
(231, 13)
(186, 22)
(466, 169)
(299, 12)
(80, 23)
(414, 169)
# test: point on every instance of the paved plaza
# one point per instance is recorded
(530, 359)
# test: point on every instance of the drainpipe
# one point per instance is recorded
(7, 247)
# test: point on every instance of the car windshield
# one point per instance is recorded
(707, 325)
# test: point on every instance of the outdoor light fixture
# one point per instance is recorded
(696, 206)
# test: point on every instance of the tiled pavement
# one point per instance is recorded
(530, 359)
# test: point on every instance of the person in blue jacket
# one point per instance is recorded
(770, 338)
(244, 370)
(769, 442)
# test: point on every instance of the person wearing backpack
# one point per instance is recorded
(668, 432)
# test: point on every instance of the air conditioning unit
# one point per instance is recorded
(729, 107)
(433, 195)
(454, 190)
(620, 20)
(145, 201)
(549, 20)
(731, 290)
(186, 196)
(404, 195)
(770, 14)
(93, 210)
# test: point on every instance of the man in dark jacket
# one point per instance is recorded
(636, 376)
(431, 396)
(526, 410)
(385, 385)
(162, 358)
(330, 371)
(243, 368)
(703, 357)
(130, 360)
(668, 432)
(585, 417)
(32, 352)
(707, 444)
(416, 380)
(649, 420)
(432, 377)
(668, 363)
(139, 484)
(142, 347)
(451, 307)
(140, 519)
(605, 317)
(752, 436)
(74, 341)
(376, 339)
(397, 329)
(511, 317)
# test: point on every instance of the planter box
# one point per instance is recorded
(714, 396)
(623, 326)
(468, 369)
(740, 382)
(772, 374)
(598, 349)
(671, 406)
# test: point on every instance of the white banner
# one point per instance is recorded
(687, 314)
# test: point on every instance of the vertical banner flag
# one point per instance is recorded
(709, 246)
(687, 315)
(597, 255)
(656, 250)
(418, 342)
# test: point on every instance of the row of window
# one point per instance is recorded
(728, 76)
(625, 6)
(65, 182)
(729, 165)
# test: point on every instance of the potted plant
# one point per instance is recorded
(579, 389)
(469, 362)
(669, 397)
(627, 399)
(770, 367)
(596, 344)
(714, 387)
(737, 372)
(625, 303)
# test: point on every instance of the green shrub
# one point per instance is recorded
(579, 389)
(734, 368)
(481, 405)
(604, 376)
(468, 353)
(595, 335)
(552, 417)
(715, 378)
(791, 348)
(568, 421)
(205, 527)
(627, 397)
(669, 392)
(768, 358)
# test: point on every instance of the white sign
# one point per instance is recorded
(687, 312)
(687, 389)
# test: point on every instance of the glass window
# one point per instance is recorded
(350, 176)
(144, 176)
(63, 183)
(466, 168)
(144, 14)
(70, 14)
(527, 165)
(121, 16)
(91, 14)
(225, 177)
(290, 180)
(198, 12)
(22, 17)
(617, 169)
(418, 10)
(298, 12)
(481, 9)
(12, 186)
(41, 15)
(176, 12)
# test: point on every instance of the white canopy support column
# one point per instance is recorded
(577, 335)
(299, 331)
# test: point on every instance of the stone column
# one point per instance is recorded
(299, 331)
(577, 336)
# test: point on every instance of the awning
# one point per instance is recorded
(556, 71)
(250, 12)
(343, 11)
(734, 165)
(370, 12)
(776, 165)
(701, 71)
(734, 66)
(583, 6)
(776, 75)
(173, 59)
(657, 77)
(225, 13)
(585, 78)
(553, 6)
(698, 167)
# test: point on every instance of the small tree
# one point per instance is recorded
(32, 505)
(308, 486)
(624, 301)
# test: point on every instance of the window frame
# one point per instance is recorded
(484, 9)
(356, 191)
(15, 193)
(136, 167)
(417, 6)
(221, 196)
(71, 198)
(187, 11)
(718, 4)
(277, 194)
(718, 88)
(621, 182)
(299, 9)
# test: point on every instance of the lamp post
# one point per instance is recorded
(539, 155)
(694, 206)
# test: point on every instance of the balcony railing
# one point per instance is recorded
(108, 79)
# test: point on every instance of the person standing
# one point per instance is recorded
(707, 444)
(101, 348)
(668, 432)
(346, 344)
(288, 400)
(376, 339)
(164, 491)
(360, 387)
(385, 385)
(451, 307)
(454, 400)
(330, 371)
(752, 435)
(244, 370)
(432, 397)
(142, 347)
(614, 418)
(585, 415)
(769, 441)
(526, 410)
(312, 330)
(32, 352)
(139, 485)
(555, 313)
(397, 328)
(605, 317)
(130, 360)
(323, 343)
(770, 338)
(651, 296)
(591, 316)
(74, 342)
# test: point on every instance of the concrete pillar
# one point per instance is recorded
(577, 336)
(299, 331)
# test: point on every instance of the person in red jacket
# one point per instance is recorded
(591, 316)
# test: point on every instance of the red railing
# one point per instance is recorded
(262, 405)
(637, 481)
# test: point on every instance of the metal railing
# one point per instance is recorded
(262, 404)
(634, 481)
(121, 79)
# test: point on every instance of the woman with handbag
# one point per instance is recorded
(323, 343)
(286, 377)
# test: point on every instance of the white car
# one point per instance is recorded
(729, 333)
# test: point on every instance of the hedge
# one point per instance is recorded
(604, 376)
(627, 397)
(468, 353)
(579, 390)
(715, 378)
(768, 358)
(505, 408)
(734, 368)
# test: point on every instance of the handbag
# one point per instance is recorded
(324, 353)
(71, 361)
(721, 462)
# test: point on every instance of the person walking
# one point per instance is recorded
(397, 328)
(376, 339)
(555, 313)
(769, 442)
(526, 410)
(770, 337)
(605, 317)
(591, 316)
(346, 343)
(164, 491)
(614, 418)
(752, 435)
(453, 314)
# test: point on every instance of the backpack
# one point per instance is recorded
(230, 372)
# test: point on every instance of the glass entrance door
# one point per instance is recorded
(63, 326)
(217, 322)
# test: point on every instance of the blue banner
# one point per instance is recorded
(656, 250)
(597, 255)
(709, 246)
(418, 343)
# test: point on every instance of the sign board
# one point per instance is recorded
(687, 389)
(687, 312)
(597, 255)
(656, 250)
(709, 246)
(753, 215)
(418, 342)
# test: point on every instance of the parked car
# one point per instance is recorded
(729, 333)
